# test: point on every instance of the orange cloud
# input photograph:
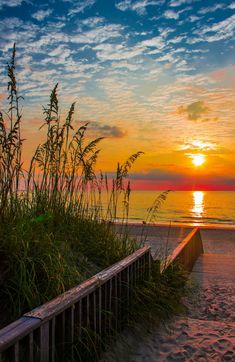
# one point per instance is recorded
(105, 130)
(195, 111)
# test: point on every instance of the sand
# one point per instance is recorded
(164, 238)
(207, 331)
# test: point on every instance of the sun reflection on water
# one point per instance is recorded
(198, 204)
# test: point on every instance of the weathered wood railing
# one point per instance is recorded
(96, 308)
(187, 252)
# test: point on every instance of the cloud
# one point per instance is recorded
(215, 32)
(137, 6)
(123, 5)
(167, 58)
(169, 14)
(117, 51)
(126, 65)
(60, 54)
(194, 18)
(194, 110)
(176, 3)
(198, 145)
(105, 130)
(211, 9)
(41, 14)
(155, 42)
(10, 24)
(92, 22)
(97, 35)
(158, 175)
(180, 181)
(10, 3)
(80, 6)
(176, 39)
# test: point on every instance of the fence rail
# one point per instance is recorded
(187, 252)
(88, 313)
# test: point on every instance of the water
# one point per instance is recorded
(188, 207)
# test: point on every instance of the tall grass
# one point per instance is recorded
(10, 146)
(54, 231)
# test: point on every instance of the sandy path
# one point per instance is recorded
(190, 340)
(207, 332)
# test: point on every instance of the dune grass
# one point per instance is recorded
(54, 230)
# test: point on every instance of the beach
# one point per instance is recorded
(163, 238)
(206, 330)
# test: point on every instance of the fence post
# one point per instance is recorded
(44, 342)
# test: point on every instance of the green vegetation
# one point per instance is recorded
(56, 233)
(159, 297)
(152, 302)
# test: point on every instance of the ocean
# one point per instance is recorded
(188, 207)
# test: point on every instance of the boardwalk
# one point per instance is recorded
(207, 332)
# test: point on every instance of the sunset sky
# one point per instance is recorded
(155, 76)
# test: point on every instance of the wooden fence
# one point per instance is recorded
(88, 314)
(187, 252)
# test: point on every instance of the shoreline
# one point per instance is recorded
(180, 225)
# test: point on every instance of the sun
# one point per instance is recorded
(198, 159)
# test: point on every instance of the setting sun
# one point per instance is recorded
(198, 160)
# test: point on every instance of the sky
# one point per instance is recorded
(155, 76)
